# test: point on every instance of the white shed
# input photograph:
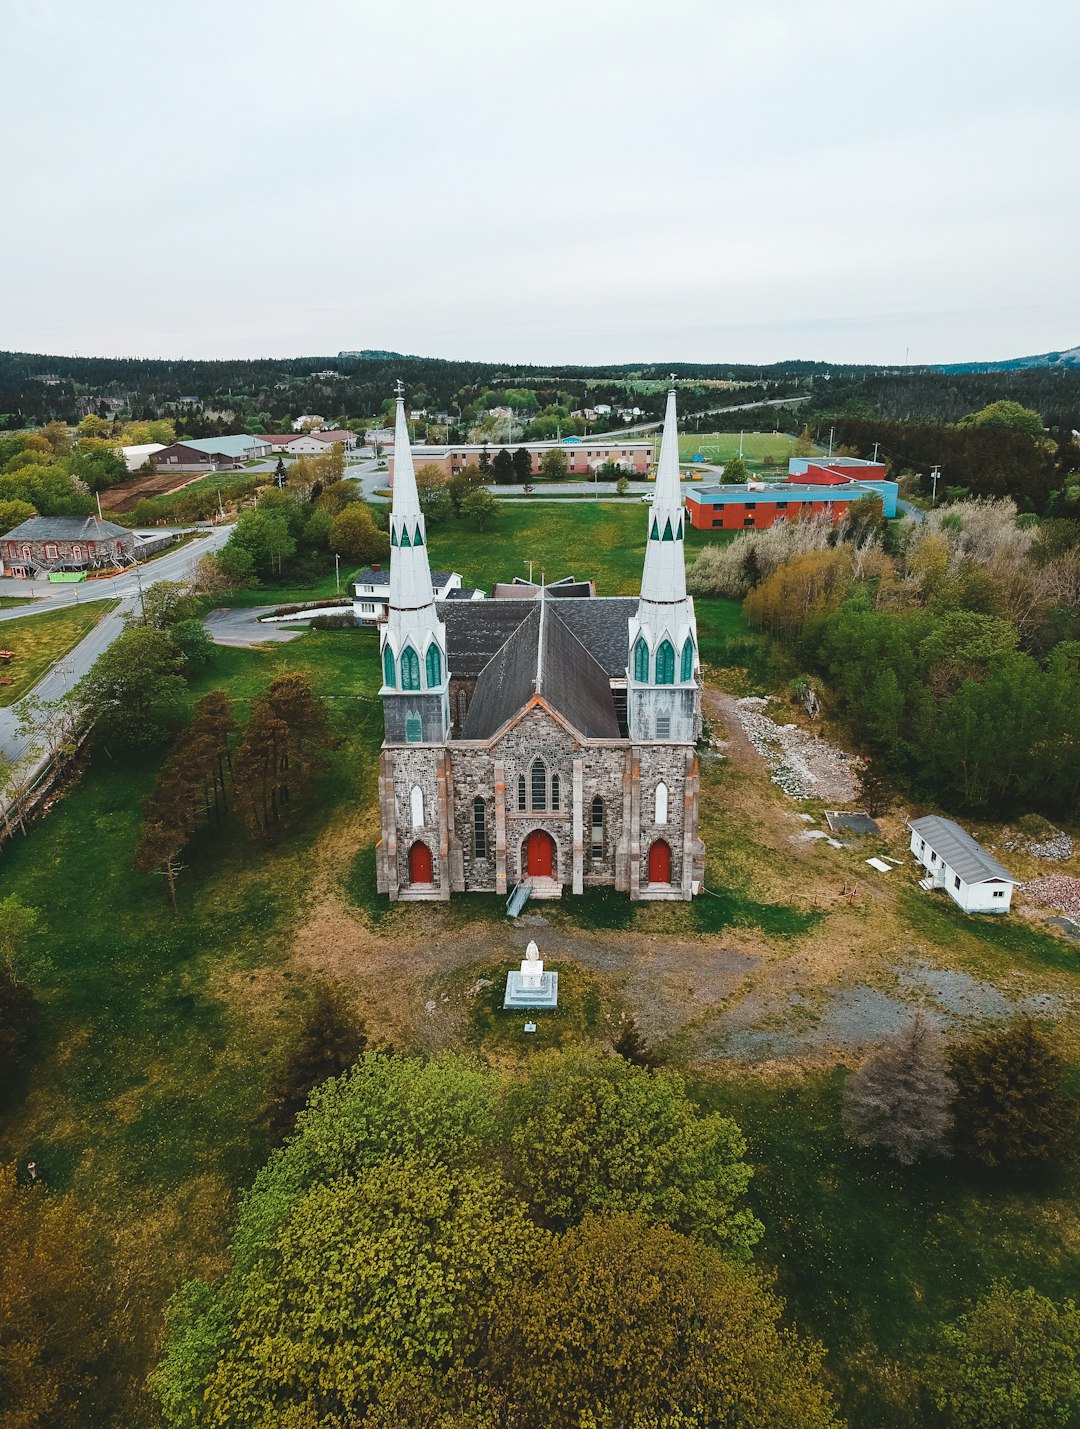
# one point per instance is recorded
(954, 861)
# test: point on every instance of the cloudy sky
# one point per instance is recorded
(572, 180)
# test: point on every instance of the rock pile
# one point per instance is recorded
(1057, 848)
(1055, 890)
(804, 765)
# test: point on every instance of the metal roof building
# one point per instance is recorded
(955, 862)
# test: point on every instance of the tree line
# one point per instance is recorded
(952, 647)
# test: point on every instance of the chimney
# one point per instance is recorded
(375, 566)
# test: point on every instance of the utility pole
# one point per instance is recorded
(98, 495)
(935, 476)
(337, 573)
(876, 445)
(740, 445)
(831, 431)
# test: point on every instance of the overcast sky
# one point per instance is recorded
(568, 181)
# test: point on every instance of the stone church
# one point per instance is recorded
(548, 740)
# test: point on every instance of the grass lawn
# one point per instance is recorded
(759, 448)
(9, 602)
(40, 640)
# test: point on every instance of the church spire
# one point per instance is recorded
(410, 574)
(664, 576)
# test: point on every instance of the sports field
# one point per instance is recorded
(759, 448)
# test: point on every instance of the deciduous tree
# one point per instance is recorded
(661, 1158)
(479, 508)
(621, 1323)
(134, 687)
(354, 535)
(1012, 1362)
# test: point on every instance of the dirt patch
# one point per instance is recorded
(803, 763)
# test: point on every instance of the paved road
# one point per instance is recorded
(174, 565)
(240, 626)
(905, 507)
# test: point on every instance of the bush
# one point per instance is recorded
(345, 621)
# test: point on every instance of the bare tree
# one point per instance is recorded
(901, 1098)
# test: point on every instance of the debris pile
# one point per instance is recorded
(804, 765)
(1055, 890)
(1054, 846)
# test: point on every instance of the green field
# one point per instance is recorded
(159, 1035)
(40, 640)
(759, 448)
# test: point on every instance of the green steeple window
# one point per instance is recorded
(418, 540)
(667, 531)
(654, 534)
(410, 669)
(405, 537)
(388, 672)
(687, 672)
(665, 663)
(393, 535)
(641, 661)
(434, 666)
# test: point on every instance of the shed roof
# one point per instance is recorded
(959, 850)
(66, 528)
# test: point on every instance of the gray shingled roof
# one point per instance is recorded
(475, 630)
(543, 656)
(958, 849)
(65, 528)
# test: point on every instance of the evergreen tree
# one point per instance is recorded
(1013, 1112)
(522, 465)
(901, 1098)
(502, 467)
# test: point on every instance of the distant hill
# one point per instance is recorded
(1069, 358)
(369, 354)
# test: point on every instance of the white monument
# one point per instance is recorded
(531, 987)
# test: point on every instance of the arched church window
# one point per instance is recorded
(665, 663)
(410, 669)
(539, 786)
(661, 804)
(641, 661)
(462, 708)
(596, 841)
(479, 829)
(522, 803)
(434, 666)
(416, 806)
(388, 672)
(687, 671)
(555, 793)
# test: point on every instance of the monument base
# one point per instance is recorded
(546, 995)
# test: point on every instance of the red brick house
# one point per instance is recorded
(64, 543)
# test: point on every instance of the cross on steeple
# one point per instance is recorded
(399, 388)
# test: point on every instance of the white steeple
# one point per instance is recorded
(664, 576)
(410, 574)
(413, 641)
(662, 649)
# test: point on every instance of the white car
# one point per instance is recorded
(647, 498)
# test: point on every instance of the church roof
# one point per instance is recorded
(543, 657)
(476, 630)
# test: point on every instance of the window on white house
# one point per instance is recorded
(956, 883)
(933, 856)
(999, 893)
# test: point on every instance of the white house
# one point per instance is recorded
(372, 591)
(305, 422)
(954, 861)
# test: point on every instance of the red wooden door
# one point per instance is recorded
(540, 855)
(660, 862)
(420, 867)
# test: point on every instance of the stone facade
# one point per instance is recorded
(469, 815)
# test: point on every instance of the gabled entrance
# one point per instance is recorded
(539, 855)
(660, 862)
(421, 869)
